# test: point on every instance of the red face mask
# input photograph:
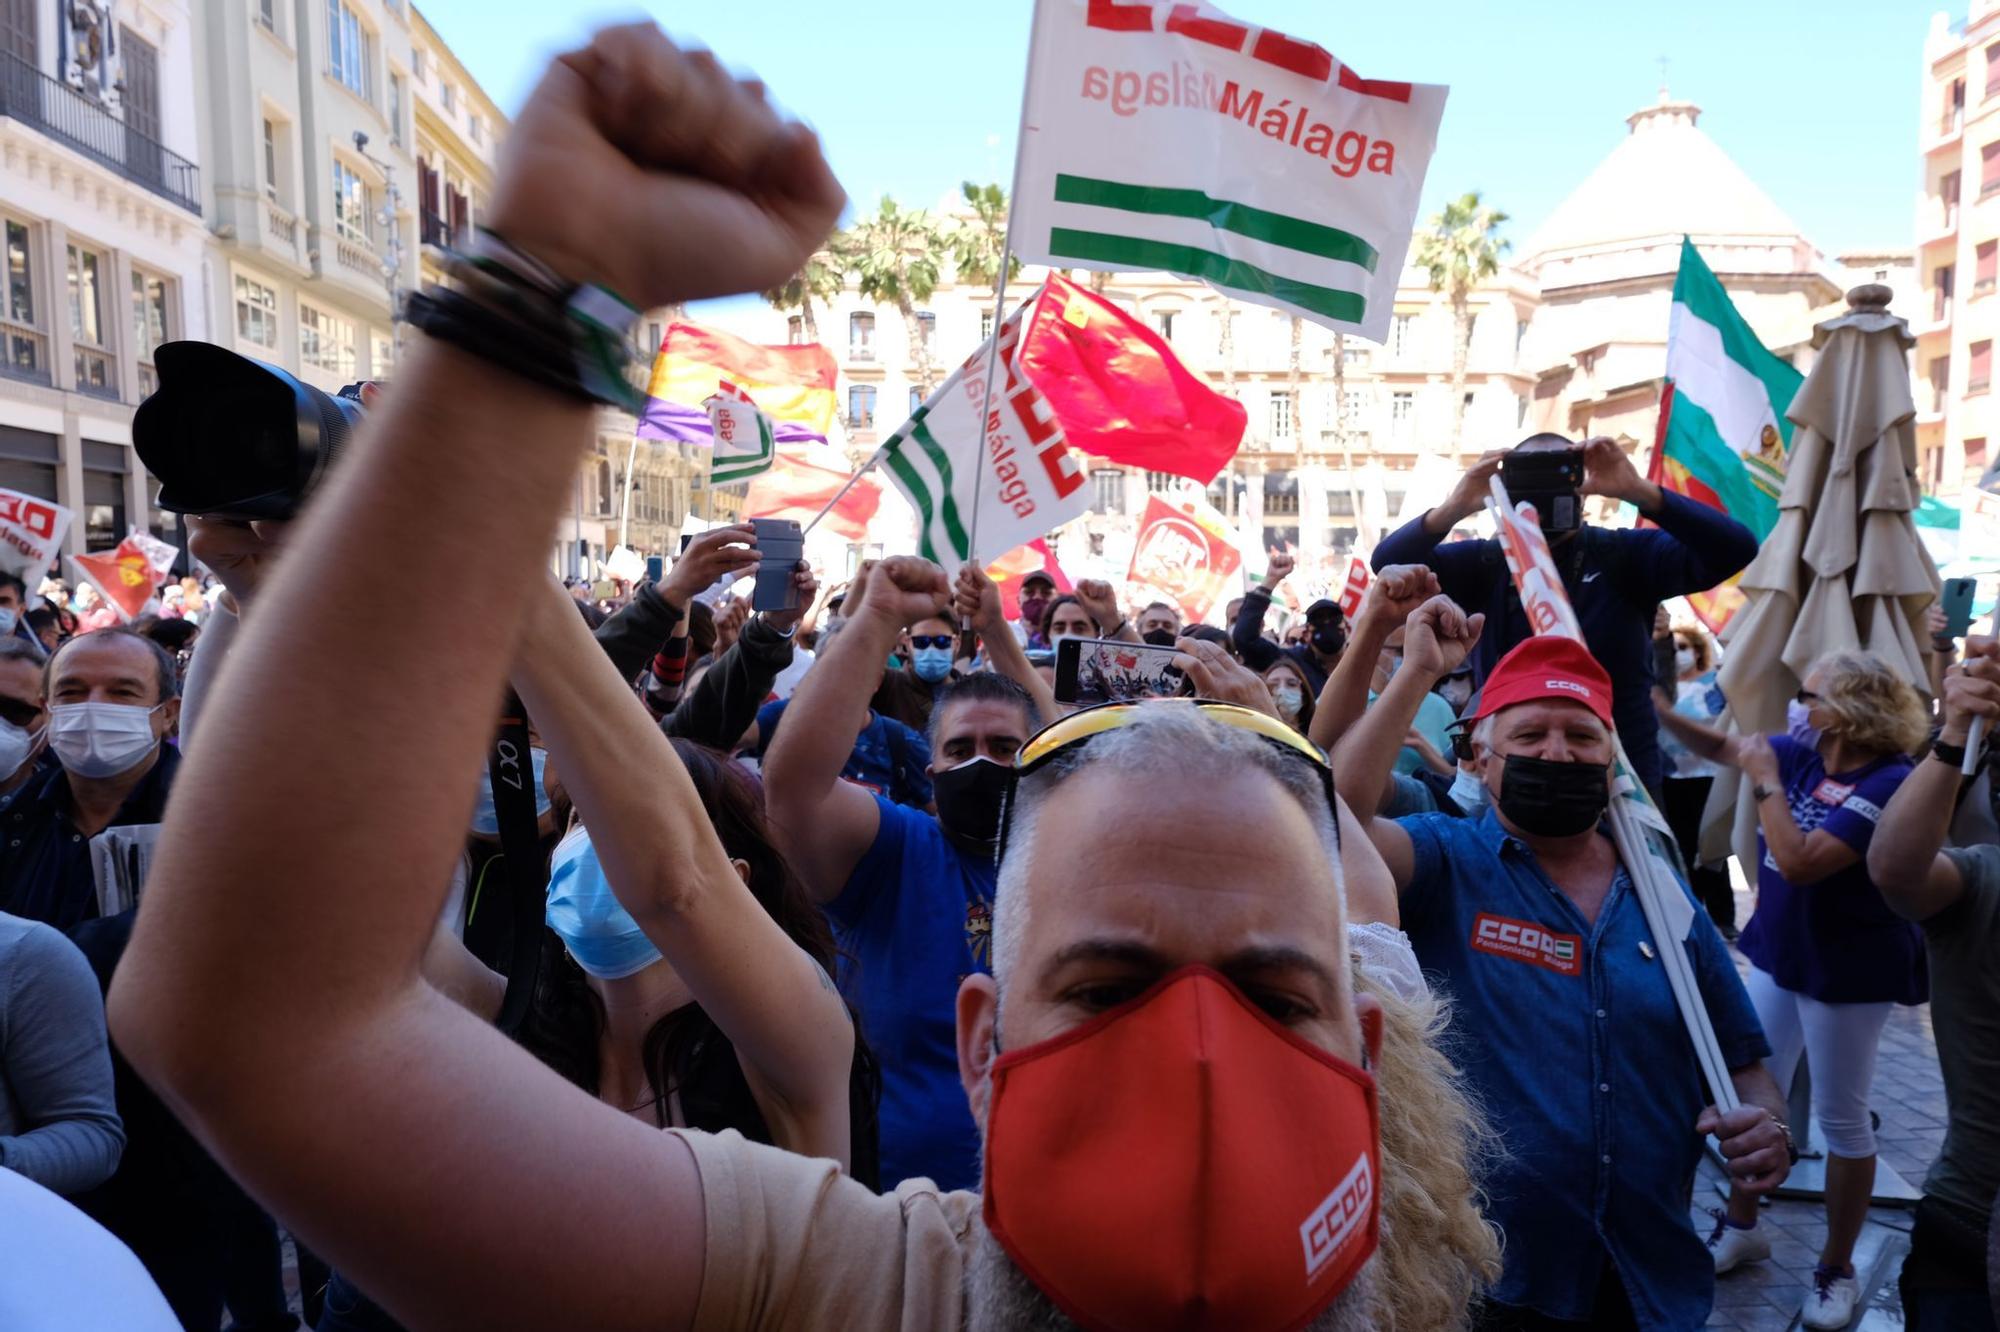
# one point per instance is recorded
(1183, 1162)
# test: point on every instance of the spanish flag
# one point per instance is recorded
(794, 386)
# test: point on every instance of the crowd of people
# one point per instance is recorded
(646, 960)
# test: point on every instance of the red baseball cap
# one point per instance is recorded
(1547, 666)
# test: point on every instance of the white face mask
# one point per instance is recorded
(15, 746)
(1468, 792)
(1288, 697)
(9, 617)
(101, 739)
(1684, 660)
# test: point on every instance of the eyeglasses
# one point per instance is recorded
(932, 640)
(1807, 697)
(1085, 725)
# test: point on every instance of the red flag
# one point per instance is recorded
(1008, 571)
(1119, 390)
(798, 488)
(125, 577)
(1358, 579)
(1186, 553)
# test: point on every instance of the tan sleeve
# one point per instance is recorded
(793, 1244)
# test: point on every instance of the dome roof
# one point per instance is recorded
(1667, 178)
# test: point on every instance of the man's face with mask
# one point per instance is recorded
(977, 740)
(1546, 731)
(1108, 916)
(1036, 594)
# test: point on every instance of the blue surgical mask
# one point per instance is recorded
(931, 664)
(1468, 792)
(600, 934)
(1798, 724)
(9, 617)
(486, 819)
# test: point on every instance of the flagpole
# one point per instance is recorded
(999, 304)
(841, 494)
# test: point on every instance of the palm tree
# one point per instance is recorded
(1460, 249)
(978, 241)
(1292, 391)
(895, 256)
(821, 279)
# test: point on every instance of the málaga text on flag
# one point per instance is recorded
(744, 441)
(792, 385)
(1723, 435)
(1167, 135)
(31, 535)
(1185, 552)
(801, 482)
(1032, 484)
(1119, 390)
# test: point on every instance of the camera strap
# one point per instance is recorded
(511, 769)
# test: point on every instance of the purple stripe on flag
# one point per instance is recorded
(689, 425)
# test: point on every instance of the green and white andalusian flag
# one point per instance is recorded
(745, 443)
(1162, 135)
(1033, 484)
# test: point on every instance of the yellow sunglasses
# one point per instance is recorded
(1082, 726)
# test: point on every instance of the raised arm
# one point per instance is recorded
(1246, 635)
(1801, 857)
(1692, 547)
(272, 990)
(1100, 602)
(1416, 541)
(722, 706)
(1392, 598)
(1703, 741)
(667, 867)
(975, 598)
(1903, 856)
(828, 824)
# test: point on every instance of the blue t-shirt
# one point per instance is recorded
(888, 757)
(1568, 1032)
(1835, 940)
(915, 919)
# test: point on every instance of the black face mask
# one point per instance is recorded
(969, 798)
(1329, 637)
(1553, 799)
(1159, 637)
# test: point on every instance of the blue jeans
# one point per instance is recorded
(1944, 1279)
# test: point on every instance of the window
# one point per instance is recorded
(1281, 495)
(1975, 454)
(88, 272)
(1164, 321)
(270, 159)
(346, 47)
(477, 129)
(449, 94)
(795, 330)
(1989, 168)
(150, 322)
(325, 342)
(396, 95)
(1356, 402)
(1993, 69)
(1948, 199)
(985, 325)
(916, 398)
(1979, 371)
(1399, 334)
(1340, 503)
(350, 204)
(24, 345)
(1281, 416)
(267, 14)
(861, 337)
(418, 62)
(861, 406)
(1940, 377)
(1402, 414)
(1107, 487)
(1954, 108)
(256, 313)
(927, 330)
(1986, 265)
(1941, 280)
(1520, 334)
(381, 355)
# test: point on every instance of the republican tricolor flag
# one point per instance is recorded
(793, 386)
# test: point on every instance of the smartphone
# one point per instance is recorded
(780, 547)
(1956, 603)
(656, 569)
(1103, 670)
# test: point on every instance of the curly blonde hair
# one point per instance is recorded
(1873, 708)
(1438, 1253)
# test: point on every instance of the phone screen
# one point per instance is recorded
(1099, 670)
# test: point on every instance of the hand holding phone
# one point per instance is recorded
(780, 546)
(1108, 670)
(1956, 602)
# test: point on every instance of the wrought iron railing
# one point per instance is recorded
(436, 230)
(26, 352)
(70, 118)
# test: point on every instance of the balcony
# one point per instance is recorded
(95, 374)
(27, 352)
(358, 255)
(35, 99)
(436, 231)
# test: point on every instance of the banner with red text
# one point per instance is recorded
(1163, 135)
(1356, 588)
(31, 535)
(1185, 553)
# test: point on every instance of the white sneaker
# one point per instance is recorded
(1731, 1247)
(1831, 1303)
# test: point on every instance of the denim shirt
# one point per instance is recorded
(1568, 1033)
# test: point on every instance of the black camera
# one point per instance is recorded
(1552, 481)
(230, 437)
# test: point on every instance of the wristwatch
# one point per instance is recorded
(1946, 752)
(1760, 792)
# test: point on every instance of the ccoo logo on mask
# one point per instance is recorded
(1338, 1218)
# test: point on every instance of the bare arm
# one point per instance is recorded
(1437, 638)
(272, 990)
(828, 824)
(1396, 592)
(1753, 1146)
(1100, 602)
(668, 868)
(1703, 741)
(1903, 858)
(975, 598)
(1802, 858)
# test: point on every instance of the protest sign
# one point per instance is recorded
(1644, 842)
(1162, 135)
(31, 535)
(1358, 579)
(1185, 553)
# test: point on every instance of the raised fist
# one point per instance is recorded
(904, 589)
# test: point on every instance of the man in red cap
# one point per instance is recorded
(1565, 1015)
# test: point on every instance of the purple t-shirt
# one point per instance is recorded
(1835, 940)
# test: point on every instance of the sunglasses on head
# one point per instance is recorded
(1083, 726)
(1807, 697)
(932, 640)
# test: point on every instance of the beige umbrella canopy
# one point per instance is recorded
(1844, 567)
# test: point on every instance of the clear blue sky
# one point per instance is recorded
(1816, 99)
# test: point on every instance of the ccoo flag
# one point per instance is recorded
(1167, 135)
(1723, 434)
(1032, 483)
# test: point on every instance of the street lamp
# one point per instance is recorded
(389, 216)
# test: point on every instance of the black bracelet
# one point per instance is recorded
(1946, 752)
